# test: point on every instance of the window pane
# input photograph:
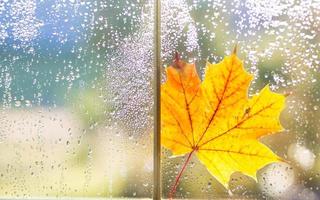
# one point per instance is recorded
(279, 44)
(76, 98)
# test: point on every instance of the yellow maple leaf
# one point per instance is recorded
(215, 120)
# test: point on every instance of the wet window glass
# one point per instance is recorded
(77, 93)
(76, 98)
(278, 42)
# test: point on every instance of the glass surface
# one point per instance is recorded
(76, 98)
(76, 94)
(279, 43)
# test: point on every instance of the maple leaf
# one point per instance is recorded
(215, 119)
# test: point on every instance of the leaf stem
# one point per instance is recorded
(174, 187)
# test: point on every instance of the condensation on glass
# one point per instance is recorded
(279, 43)
(76, 98)
(76, 93)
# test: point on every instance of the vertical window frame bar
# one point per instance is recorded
(157, 99)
